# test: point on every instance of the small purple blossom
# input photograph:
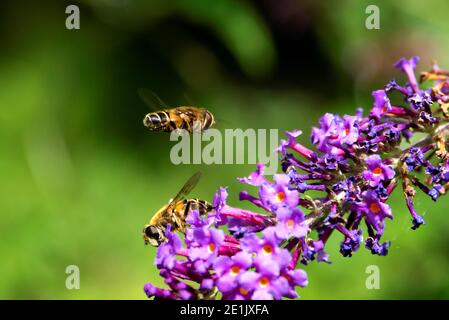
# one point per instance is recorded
(377, 171)
(277, 195)
(229, 270)
(335, 134)
(256, 178)
(381, 104)
(417, 220)
(377, 248)
(420, 100)
(165, 254)
(270, 258)
(291, 223)
(408, 67)
(374, 210)
(351, 243)
(414, 158)
(205, 243)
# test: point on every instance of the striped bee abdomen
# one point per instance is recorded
(201, 206)
(156, 120)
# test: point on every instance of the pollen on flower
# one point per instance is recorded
(263, 282)
(280, 196)
(243, 291)
(377, 171)
(267, 249)
(374, 207)
(235, 270)
(211, 247)
(290, 223)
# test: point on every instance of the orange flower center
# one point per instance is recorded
(263, 282)
(267, 249)
(290, 223)
(243, 291)
(211, 247)
(346, 132)
(280, 196)
(377, 171)
(384, 108)
(235, 270)
(374, 207)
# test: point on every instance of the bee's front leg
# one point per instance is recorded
(180, 224)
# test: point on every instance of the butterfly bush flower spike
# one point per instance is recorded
(341, 186)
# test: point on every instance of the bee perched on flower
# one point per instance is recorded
(358, 162)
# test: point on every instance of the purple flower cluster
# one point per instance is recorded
(358, 162)
(239, 265)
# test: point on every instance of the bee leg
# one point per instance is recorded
(195, 205)
(179, 132)
(203, 207)
(180, 224)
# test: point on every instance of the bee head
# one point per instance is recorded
(153, 235)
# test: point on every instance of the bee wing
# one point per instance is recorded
(221, 123)
(186, 189)
(189, 100)
(151, 99)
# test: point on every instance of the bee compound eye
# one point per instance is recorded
(152, 232)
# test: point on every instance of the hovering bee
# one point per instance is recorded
(192, 119)
(174, 213)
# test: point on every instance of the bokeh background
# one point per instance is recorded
(80, 175)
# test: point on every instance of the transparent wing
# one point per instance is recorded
(186, 189)
(151, 99)
(189, 100)
(221, 123)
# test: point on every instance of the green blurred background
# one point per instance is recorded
(81, 175)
